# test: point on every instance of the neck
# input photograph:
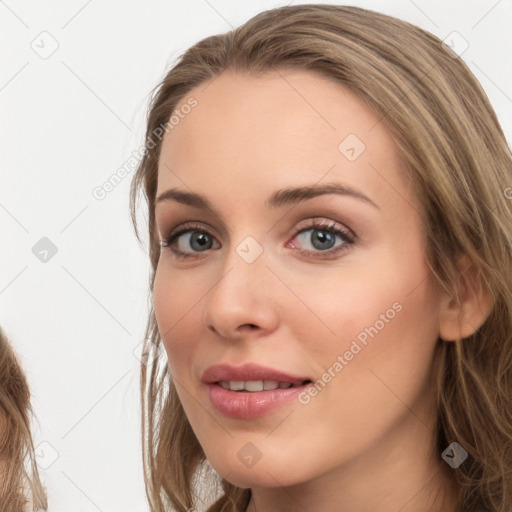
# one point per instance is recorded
(434, 495)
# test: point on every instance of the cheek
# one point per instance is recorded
(382, 312)
(177, 303)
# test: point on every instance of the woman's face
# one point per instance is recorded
(355, 314)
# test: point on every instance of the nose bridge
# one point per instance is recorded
(242, 268)
(239, 296)
(246, 255)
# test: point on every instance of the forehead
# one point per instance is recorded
(273, 130)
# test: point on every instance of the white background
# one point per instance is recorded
(68, 123)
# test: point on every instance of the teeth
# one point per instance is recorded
(270, 384)
(255, 385)
(236, 385)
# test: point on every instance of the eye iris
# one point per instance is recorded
(201, 238)
(322, 237)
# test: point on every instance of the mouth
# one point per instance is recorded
(251, 390)
(250, 399)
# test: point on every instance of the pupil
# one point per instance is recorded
(322, 237)
(201, 239)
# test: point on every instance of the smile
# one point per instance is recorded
(258, 385)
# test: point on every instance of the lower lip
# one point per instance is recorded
(247, 405)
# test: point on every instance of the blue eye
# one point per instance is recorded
(322, 239)
(198, 240)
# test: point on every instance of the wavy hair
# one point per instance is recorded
(448, 135)
(19, 486)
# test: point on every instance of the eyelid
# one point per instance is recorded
(323, 222)
(190, 226)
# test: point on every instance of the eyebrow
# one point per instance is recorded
(278, 199)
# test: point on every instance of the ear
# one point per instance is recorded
(457, 321)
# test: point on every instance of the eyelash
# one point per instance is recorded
(330, 227)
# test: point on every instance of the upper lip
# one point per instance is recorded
(247, 372)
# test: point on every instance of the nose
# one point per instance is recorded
(242, 302)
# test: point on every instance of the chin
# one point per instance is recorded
(248, 478)
(268, 473)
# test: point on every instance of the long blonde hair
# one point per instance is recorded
(460, 163)
(19, 485)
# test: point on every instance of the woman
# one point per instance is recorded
(20, 489)
(371, 374)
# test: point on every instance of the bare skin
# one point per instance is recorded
(363, 442)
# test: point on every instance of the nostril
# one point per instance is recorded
(250, 326)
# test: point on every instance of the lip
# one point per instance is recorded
(248, 405)
(248, 371)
